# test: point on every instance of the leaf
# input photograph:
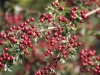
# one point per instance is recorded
(74, 28)
(52, 70)
(5, 67)
(62, 61)
(35, 40)
(15, 62)
(9, 69)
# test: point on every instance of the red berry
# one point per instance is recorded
(32, 19)
(61, 8)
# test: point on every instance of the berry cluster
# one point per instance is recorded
(89, 61)
(16, 41)
(10, 19)
(86, 2)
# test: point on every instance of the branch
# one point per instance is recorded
(92, 12)
(49, 28)
(88, 14)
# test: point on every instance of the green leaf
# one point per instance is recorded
(74, 28)
(5, 67)
(62, 61)
(52, 70)
(9, 69)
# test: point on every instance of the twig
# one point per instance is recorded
(49, 28)
(92, 12)
(88, 14)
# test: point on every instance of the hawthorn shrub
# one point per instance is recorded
(46, 46)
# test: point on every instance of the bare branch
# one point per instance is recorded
(92, 12)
